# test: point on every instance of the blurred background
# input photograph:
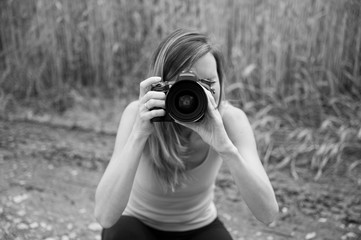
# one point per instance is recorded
(293, 66)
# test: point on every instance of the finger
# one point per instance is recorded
(155, 103)
(153, 95)
(153, 113)
(146, 84)
(211, 100)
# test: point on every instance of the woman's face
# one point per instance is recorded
(206, 67)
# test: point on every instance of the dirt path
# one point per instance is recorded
(48, 176)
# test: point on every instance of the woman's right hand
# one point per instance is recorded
(151, 104)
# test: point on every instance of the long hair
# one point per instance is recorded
(167, 145)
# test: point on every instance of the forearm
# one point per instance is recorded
(254, 186)
(114, 189)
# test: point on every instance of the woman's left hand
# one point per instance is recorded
(210, 128)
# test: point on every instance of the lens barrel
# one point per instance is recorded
(186, 101)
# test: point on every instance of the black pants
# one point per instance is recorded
(130, 228)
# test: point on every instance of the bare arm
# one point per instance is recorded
(231, 136)
(114, 188)
(240, 154)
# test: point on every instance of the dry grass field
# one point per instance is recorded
(293, 66)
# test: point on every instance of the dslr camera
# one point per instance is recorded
(186, 100)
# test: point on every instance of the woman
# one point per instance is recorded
(160, 179)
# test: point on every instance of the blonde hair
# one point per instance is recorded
(168, 145)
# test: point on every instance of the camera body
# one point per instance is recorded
(186, 100)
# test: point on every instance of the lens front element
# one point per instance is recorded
(186, 101)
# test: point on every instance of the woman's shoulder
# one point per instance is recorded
(230, 112)
(129, 114)
(131, 108)
(237, 125)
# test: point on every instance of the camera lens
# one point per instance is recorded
(186, 101)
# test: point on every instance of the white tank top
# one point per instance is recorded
(186, 208)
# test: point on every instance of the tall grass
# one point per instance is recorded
(299, 48)
(294, 66)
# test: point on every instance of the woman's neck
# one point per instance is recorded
(188, 133)
(193, 139)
